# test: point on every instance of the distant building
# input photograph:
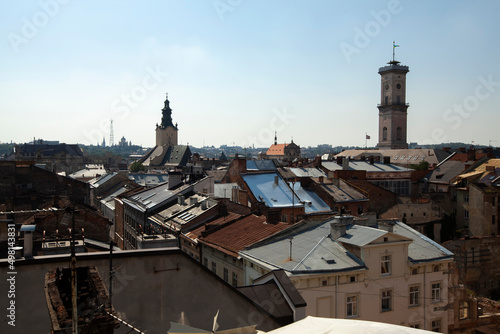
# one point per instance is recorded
(282, 152)
(57, 158)
(166, 154)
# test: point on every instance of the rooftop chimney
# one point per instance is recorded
(28, 240)
(338, 227)
(387, 160)
(339, 160)
(372, 159)
(276, 179)
(321, 179)
(345, 164)
(387, 225)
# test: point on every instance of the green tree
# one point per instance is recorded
(137, 167)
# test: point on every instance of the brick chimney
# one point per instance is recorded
(338, 227)
(471, 154)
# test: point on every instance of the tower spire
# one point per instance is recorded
(166, 119)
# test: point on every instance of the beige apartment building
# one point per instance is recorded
(367, 270)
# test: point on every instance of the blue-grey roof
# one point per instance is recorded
(148, 179)
(313, 250)
(361, 235)
(260, 165)
(102, 180)
(365, 165)
(422, 248)
(308, 172)
(150, 198)
(264, 188)
(313, 203)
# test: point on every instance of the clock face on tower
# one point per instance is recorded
(386, 86)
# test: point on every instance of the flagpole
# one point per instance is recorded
(366, 140)
(393, 48)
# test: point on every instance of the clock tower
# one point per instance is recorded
(393, 107)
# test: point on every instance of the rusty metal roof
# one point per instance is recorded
(241, 233)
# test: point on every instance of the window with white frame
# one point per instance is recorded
(436, 292)
(386, 300)
(352, 306)
(414, 295)
(385, 265)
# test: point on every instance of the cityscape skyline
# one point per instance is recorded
(237, 71)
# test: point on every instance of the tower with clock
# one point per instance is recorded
(393, 107)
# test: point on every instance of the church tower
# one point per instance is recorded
(166, 132)
(393, 107)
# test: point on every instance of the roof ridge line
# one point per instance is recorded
(307, 255)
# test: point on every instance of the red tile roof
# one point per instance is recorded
(277, 149)
(196, 233)
(242, 233)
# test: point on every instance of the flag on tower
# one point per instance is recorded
(367, 137)
(395, 45)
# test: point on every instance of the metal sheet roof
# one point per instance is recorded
(261, 165)
(264, 187)
(361, 235)
(365, 165)
(308, 172)
(312, 250)
(313, 203)
(422, 248)
(242, 233)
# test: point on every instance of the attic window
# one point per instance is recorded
(386, 239)
(329, 261)
(440, 176)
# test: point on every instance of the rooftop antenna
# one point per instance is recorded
(111, 135)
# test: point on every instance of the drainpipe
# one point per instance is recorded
(336, 290)
(425, 280)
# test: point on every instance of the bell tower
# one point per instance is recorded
(393, 107)
(166, 132)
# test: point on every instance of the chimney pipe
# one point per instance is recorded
(338, 227)
(276, 179)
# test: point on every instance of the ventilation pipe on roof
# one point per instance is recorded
(180, 200)
(193, 200)
(204, 205)
(276, 179)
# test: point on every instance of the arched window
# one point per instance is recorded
(399, 133)
(384, 133)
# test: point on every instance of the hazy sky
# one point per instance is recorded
(237, 70)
